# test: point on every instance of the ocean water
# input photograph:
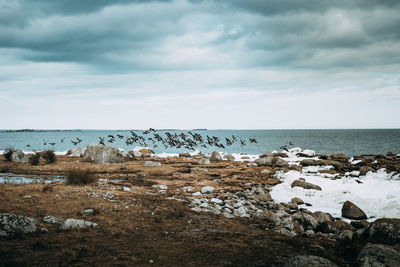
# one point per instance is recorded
(349, 141)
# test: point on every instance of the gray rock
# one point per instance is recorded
(88, 211)
(216, 201)
(184, 155)
(152, 164)
(207, 189)
(322, 217)
(267, 161)
(76, 152)
(11, 224)
(203, 205)
(265, 155)
(280, 163)
(240, 211)
(20, 157)
(306, 220)
(374, 255)
(297, 200)
(102, 154)
(229, 157)
(285, 231)
(351, 211)
(305, 185)
(215, 157)
(76, 224)
(308, 260)
(385, 230)
(204, 161)
(344, 235)
(51, 219)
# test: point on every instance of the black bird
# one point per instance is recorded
(120, 136)
(62, 140)
(101, 142)
(52, 144)
(28, 145)
(74, 142)
(44, 142)
(228, 141)
(290, 143)
(242, 142)
(284, 148)
(253, 140)
(79, 140)
(234, 139)
(146, 132)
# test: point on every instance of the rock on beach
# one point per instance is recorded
(305, 185)
(11, 224)
(351, 211)
(76, 223)
(102, 154)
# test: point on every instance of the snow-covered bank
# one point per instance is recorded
(377, 194)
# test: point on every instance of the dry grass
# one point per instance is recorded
(35, 159)
(49, 156)
(8, 152)
(80, 176)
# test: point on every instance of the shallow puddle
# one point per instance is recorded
(11, 178)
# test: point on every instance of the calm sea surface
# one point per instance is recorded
(351, 142)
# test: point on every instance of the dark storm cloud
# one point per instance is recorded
(133, 35)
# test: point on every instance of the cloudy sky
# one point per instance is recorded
(276, 64)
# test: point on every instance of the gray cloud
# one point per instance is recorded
(147, 35)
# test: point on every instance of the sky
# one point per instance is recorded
(277, 64)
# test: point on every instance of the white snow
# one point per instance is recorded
(378, 195)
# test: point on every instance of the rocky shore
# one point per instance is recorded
(216, 204)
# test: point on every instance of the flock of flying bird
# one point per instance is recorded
(151, 137)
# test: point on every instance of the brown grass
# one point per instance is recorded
(49, 156)
(80, 176)
(35, 159)
(8, 152)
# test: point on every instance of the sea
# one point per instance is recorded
(348, 141)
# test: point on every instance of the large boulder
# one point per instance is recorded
(322, 217)
(271, 161)
(229, 157)
(308, 260)
(306, 220)
(351, 211)
(305, 185)
(76, 152)
(215, 157)
(102, 154)
(385, 230)
(19, 156)
(11, 224)
(266, 161)
(374, 255)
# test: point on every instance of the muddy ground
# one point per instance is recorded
(146, 225)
